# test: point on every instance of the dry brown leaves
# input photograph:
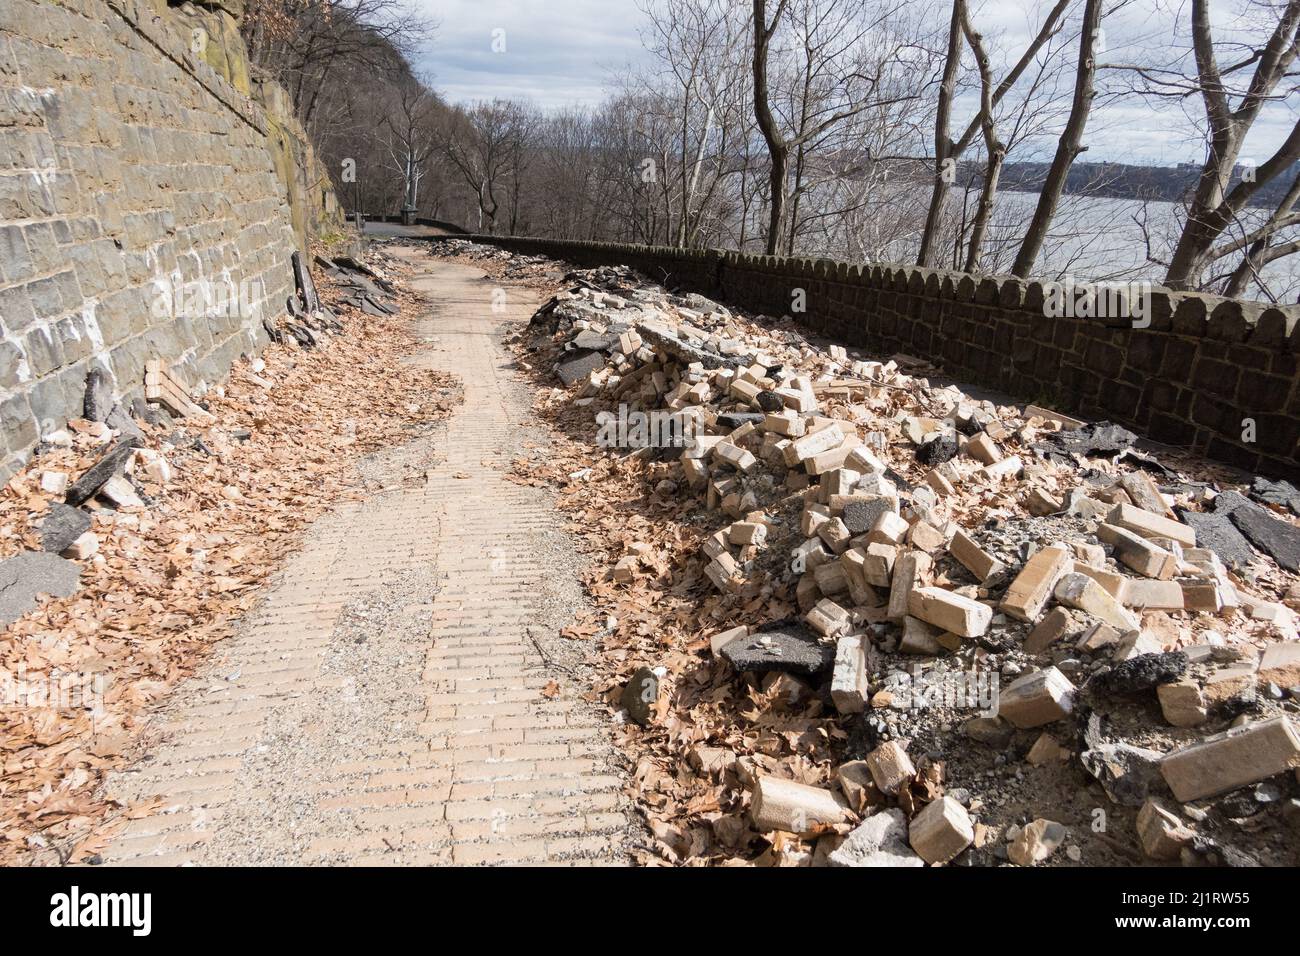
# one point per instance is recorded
(169, 580)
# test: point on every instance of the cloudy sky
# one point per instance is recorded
(557, 52)
(561, 52)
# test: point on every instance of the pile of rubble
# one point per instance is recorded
(989, 615)
(137, 536)
(359, 286)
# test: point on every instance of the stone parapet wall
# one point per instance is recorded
(1207, 373)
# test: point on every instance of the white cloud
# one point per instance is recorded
(557, 52)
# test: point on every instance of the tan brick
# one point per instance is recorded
(1232, 759)
(1033, 585)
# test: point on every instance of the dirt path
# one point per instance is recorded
(387, 703)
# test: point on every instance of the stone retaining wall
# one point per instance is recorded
(1206, 373)
(135, 159)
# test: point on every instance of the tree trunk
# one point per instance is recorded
(995, 151)
(777, 149)
(1068, 147)
(1211, 208)
(984, 211)
(943, 145)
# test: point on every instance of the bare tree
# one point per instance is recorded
(302, 43)
(947, 152)
(1070, 144)
(1259, 245)
(483, 144)
(1231, 98)
(833, 82)
(407, 129)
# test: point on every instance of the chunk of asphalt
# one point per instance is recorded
(61, 526)
(98, 401)
(1139, 674)
(1217, 532)
(640, 695)
(30, 573)
(591, 339)
(736, 419)
(937, 450)
(94, 477)
(861, 516)
(1274, 537)
(1281, 493)
(578, 364)
(791, 649)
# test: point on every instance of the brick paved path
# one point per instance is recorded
(385, 704)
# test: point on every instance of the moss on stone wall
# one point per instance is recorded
(313, 206)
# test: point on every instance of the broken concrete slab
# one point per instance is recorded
(881, 840)
(121, 421)
(664, 340)
(1127, 773)
(30, 573)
